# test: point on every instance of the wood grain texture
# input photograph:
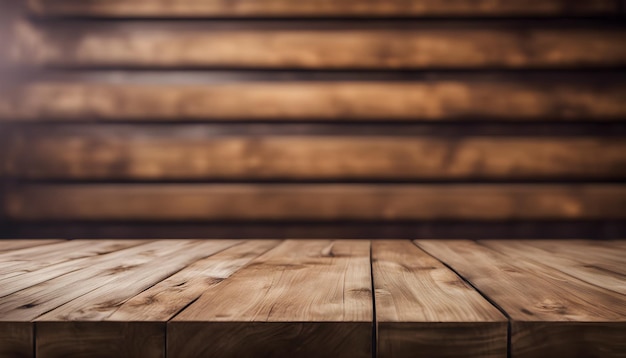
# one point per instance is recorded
(26, 268)
(71, 329)
(16, 244)
(105, 153)
(31, 259)
(422, 306)
(118, 321)
(132, 279)
(605, 255)
(167, 44)
(315, 101)
(546, 306)
(168, 297)
(303, 298)
(32, 302)
(326, 8)
(158, 202)
(591, 269)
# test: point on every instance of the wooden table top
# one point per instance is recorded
(312, 298)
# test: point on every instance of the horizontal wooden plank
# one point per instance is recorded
(124, 202)
(596, 229)
(551, 313)
(285, 8)
(175, 44)
(422, 306)
(317, 101)
(101, 153)
(303, 298)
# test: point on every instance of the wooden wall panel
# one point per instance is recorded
(495, 100)
(194, 153)
(327, 8)
(275, 202)
(409, 115)
(316, 46)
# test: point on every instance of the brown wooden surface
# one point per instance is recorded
(551, 312)
(314, 298)
(422, 306)
(303, 298)
(315, 47)
(71, 329)
(505, 116)
(592, 269)
(25, 268)
(316, 101)
(9, 245)
(136, 153)
(286, 8)
(16, 340)
(164, 300)
(202, 202)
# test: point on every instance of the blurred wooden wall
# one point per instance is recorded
(318, 118)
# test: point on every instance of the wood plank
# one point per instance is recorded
(422, 306)
(591, 269)
(285, 8)
(315, 101)
(303, 298)
(324, 202)
(100, 152)
(30, 270)
(551, 313)
(16, 244)
(315, 46)
(78, 322)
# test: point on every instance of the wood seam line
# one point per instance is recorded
(34, 332)
(487, 298)
(374, 318)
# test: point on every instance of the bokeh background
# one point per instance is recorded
(298, 119)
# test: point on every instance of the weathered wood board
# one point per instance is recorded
(422, 306)
(303, 298)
